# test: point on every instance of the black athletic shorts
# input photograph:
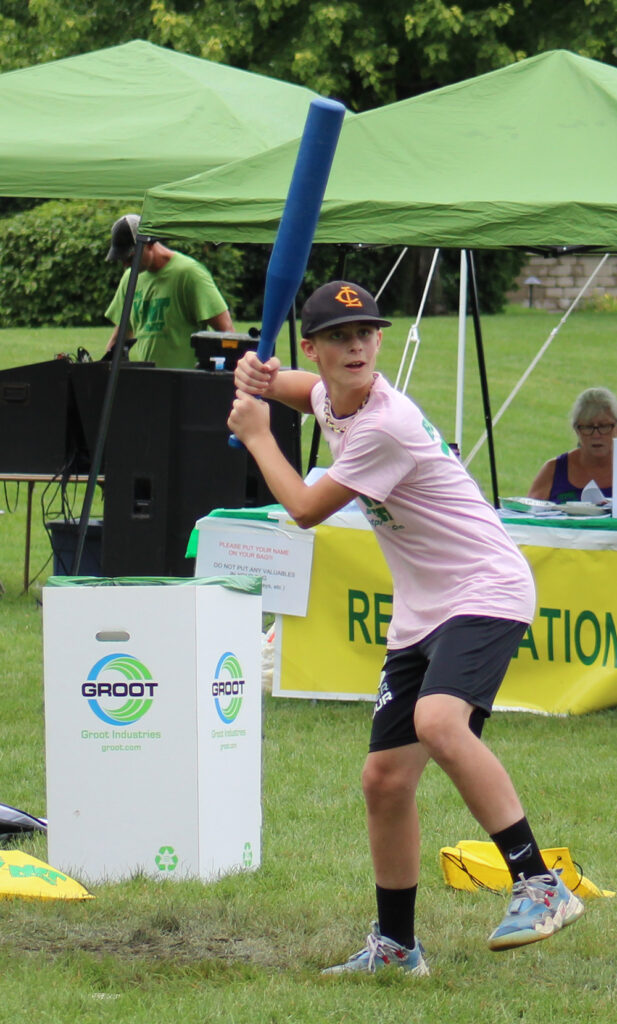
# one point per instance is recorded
(467, 656)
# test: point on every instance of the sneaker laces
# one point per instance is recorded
(533, 889)
(378, 946)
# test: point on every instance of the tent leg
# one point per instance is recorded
(341, 269)
(293, 362)
(312, 461)
(108, 402)
(293, 338)
(460, 366)
(473, 294)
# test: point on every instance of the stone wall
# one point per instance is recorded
(561, 279)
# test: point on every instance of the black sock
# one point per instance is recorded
(519, 849)
(395, 911)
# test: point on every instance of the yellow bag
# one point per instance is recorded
(24, 875)
(473, 865)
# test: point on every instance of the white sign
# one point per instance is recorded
(274, 549)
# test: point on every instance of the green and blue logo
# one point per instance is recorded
(126, 683)
(229, 685)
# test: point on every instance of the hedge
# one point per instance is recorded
(53, 270)
(52, 265)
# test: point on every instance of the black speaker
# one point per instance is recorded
(87, 392)
(167, 463)
(205, 473)
(137, 458)
(33, 418)
(88, 385)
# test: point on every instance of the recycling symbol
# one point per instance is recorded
(166, 859)
(247, 855)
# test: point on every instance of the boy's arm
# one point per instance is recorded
(267, 380)
(307, 505)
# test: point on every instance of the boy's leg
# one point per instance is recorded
(481, 780)
(442, 724)
(468, 659)
(390, 778)
(389, 781)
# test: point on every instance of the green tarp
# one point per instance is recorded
(246, 584)
(525, 155)
(113, 123)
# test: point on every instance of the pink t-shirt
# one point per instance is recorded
(444, 544)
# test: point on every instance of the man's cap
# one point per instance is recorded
(123, 238)
(337, 303)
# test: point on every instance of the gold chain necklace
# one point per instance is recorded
(340, 428)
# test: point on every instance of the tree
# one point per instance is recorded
(365, 52)
(43, 30)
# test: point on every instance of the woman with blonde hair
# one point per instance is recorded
(594, 421)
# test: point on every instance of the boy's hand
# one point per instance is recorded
(254, 377)
(248, 418)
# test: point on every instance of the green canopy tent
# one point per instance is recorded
(115, 122)
(522, 156)
(519, 157)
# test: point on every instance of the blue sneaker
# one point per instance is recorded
(539, 907)
(382, 952)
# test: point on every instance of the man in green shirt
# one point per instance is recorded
(174, 297)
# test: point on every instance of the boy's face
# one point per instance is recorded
(344, 354)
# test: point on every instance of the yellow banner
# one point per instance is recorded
(338, 649)
(566, 663)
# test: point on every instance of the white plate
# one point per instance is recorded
(531, 505)
(584, 508)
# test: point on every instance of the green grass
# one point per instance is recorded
(249, 947)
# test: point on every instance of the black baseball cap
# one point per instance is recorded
(123, 238)
(339, 302)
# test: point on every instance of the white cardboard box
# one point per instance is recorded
(153, 729)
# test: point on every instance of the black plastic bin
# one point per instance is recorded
(63, 538)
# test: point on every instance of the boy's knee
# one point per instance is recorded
(371, 779)
(382, 780)
(442, 724)
(429, 725)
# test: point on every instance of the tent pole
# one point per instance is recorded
(402, 253)
(293, 337)
(460, 368)
(316, 436)
(293, 362)
(473, 291)
(312, 459)
(341, 264)
(110, 391)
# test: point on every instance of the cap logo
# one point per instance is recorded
(348, 297)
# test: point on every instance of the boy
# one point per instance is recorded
(463, 596)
